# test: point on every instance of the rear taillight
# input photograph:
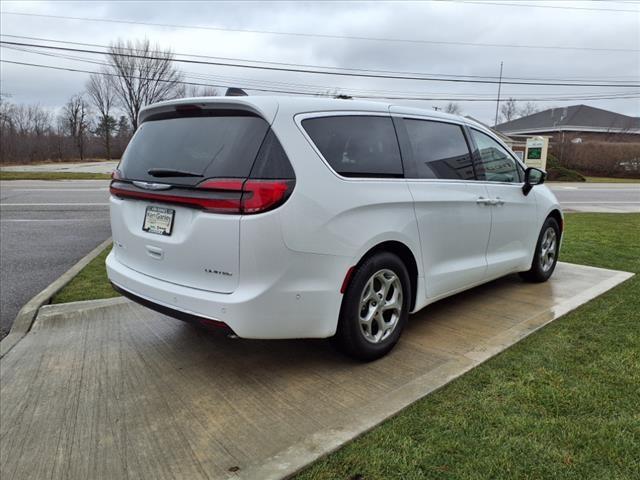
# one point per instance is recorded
(262, 195)
(223, 195)
(231, 196)
(256, 196)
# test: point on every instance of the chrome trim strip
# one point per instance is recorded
(151, 185)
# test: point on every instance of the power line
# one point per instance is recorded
(559, 7)
(321, 35)
(539, 99)
(135, 77)
(225, 81)
(84, 44)
(325, 72)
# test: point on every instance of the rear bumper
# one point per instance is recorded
(171, 312)
(303, 302)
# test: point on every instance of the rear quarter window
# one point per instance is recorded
(357, 145)
(272, 161)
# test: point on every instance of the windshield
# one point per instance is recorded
(203, 146)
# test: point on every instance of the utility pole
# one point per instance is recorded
(495, 122)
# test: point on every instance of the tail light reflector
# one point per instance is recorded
(347, 279)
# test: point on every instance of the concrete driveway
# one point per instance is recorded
(112, 390)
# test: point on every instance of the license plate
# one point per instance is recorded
(158, 220)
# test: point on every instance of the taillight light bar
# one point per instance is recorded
(261, 195)
(231, 196)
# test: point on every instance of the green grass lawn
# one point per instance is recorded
(90, 284)
(612, 180)
(53, 176)
(563, 403)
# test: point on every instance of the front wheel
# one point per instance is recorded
(375, 307)
(546, 255)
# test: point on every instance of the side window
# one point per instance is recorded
(439, 150)
(357, 146)
(495, 164)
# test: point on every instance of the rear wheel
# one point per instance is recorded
(546, 255)
(375, 307)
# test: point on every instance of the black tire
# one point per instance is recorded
(540, 270)
(351, 337)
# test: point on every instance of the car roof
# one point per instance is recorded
(268, 106)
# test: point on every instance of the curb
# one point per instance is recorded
(28, 312)
(47, 312)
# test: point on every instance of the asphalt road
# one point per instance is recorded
(598, 197)
(45, 227)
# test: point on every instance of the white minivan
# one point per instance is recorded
(288, 217)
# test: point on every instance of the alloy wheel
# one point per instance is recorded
(380, 306)
(548, 249)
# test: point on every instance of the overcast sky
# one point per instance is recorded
(589, 26)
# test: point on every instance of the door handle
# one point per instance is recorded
(489, 201)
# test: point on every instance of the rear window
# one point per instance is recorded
(357, 146)
(205, 146)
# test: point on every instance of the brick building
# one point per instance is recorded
(576, 122)
(590, 140)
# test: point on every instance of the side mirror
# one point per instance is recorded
(532, 176)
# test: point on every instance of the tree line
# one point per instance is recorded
(99, 121)
(509, 110)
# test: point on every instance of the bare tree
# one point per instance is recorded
(76, 120)
(21, 119)
(199, 91)
(60, 138)
(7, 112)
(8, 140)
(40, 120)
(142, 74)
(453, 108)
(527, 109)
(103, 96)
(509, 110)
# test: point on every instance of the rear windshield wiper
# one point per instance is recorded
(167, 172)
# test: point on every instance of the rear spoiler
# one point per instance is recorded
(264, 107)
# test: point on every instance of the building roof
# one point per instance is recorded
(576, 118)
